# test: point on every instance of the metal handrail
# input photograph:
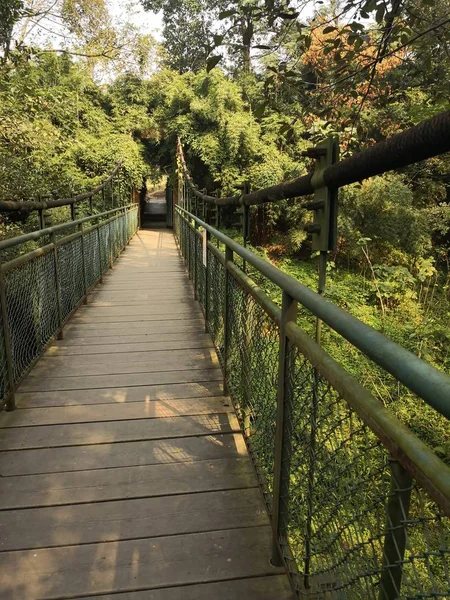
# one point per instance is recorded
(35, 235)
(251, 347)
(426, 381)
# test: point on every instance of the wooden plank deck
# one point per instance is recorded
(123, 473)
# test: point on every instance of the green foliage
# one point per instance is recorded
(57, 135)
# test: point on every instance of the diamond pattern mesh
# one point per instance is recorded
(31, 292)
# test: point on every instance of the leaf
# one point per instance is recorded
(284, 128)
(262, 47)
(225, 14)
(259, 111)
(218, 39)
(329, 29)
(212, 62)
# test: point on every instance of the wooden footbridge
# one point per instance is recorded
(123, 467)
(177, 428)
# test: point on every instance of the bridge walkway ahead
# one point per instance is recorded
(123, 471)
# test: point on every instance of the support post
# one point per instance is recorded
(99, 243)
(195, 261)
(206, 285)
(283, 444)
(11, 402)
(395, 540)
(226, 333)
(73, 211)
(57, 287)
(80, 228)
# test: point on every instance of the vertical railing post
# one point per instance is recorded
(73, 211)
(83, 256)
(283, 442)
(11, 402)
(395, 541)
(226, 332)
(195, 260)
(188, 246)
(99, 243)
(57, 287)
(206, 283)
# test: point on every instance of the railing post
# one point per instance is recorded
(195, 261)
(395, 540)
(99, 253)
(57, 286)
(80, 228)
(283, 444)
(206, 284)
(73, 211)
(11, 403)
(188, 247)
(226, 335)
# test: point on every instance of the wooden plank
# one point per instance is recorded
(128, 519)
(36, 384)
(107, 432)
(105, 364)
(63, 349)
(135, 564)
(116, 412)
(104, 456)
(119, 395)
(275, 587)
(181, 315)
(154, 309)
(118, 329)
(136, 338)
(78, 487)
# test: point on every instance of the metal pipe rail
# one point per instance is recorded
(31, 205)
(429, 138)
(357, 501)
(42, 288)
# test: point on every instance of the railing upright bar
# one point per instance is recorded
(99, 244)
(206, 282)
(396, 525)
(57, 287)
(283, 447)
(83, 258)
(226, 332)
(195, 261)
(11, 402)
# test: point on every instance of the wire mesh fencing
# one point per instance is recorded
(354, 516)
(41, 289)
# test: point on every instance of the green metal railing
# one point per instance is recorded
(359, 505)
(41, 288)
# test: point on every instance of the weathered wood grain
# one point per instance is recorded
(89, 569)
(170, 391)
(275, 587)
(106, 456)
(36, 384)
(98, 485)
(130, 519)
